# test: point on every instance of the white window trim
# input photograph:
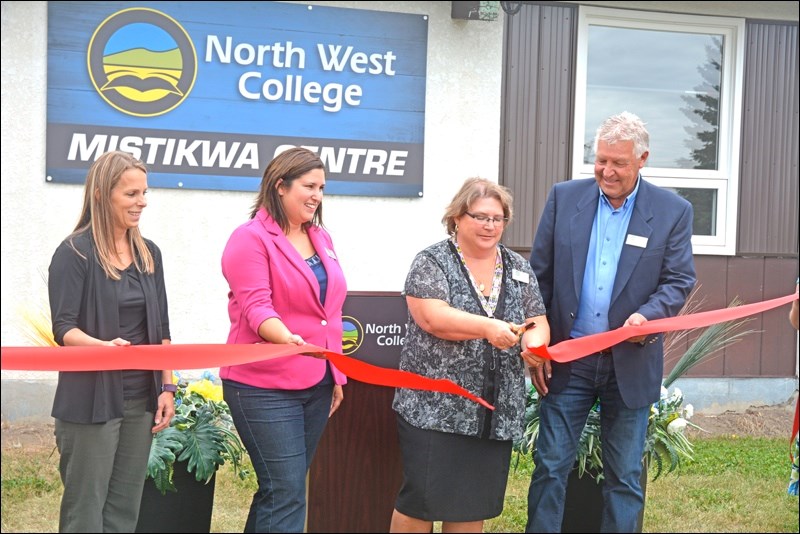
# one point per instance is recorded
(725, 179)
(721, 187)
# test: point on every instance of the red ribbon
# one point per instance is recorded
(204, 356)
(572, 349)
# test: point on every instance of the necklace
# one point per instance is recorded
(487, 303)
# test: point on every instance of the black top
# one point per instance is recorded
(82, 296)
(136, 383)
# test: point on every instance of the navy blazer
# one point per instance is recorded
(653, 280)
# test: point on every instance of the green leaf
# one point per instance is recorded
(711, 341)
(203, 446)
(201, 434)
(162, 455)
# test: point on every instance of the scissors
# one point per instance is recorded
(520, 329)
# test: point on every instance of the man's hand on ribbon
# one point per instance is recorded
(540, 370)
(636, 319)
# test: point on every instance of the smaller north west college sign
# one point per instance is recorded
(206, 94)
(375, 328)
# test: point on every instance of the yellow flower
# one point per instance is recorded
(206, 389)
(671, 417)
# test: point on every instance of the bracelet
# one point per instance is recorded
(172, 388)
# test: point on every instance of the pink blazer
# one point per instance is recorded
(268, 278)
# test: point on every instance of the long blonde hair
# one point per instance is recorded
(102, 178)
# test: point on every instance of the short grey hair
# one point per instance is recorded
(624, 127)
(473, 189)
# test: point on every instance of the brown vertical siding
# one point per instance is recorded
(769, 352)
(711, 292)
(768, 202)
(536, 122)
(779, 342)
(746, 280)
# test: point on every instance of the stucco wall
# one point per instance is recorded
(462, 138)
(462, 125)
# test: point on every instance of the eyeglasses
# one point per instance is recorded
(485, 219)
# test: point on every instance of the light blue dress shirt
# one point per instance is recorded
(605, 245)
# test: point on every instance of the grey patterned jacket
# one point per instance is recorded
(437, 273)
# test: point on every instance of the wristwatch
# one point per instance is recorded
(172, 388)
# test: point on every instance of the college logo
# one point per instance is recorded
(142, 62)
(352, 334)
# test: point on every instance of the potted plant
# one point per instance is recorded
(666, 444)
(184, 458)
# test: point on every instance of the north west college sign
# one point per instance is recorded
(206, 94)
(375, 327)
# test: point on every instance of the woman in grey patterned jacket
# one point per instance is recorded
(472, 304)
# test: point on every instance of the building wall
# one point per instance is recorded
(463, 135)
(538, 111)
(786, 10)
(538, 101)
(769, 168)
(462, 125)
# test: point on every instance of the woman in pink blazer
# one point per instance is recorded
(286, 286)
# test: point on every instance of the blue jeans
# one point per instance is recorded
(281, 430)
(562, 418)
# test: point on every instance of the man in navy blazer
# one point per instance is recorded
(610, 252)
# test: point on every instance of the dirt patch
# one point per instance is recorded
(28, 435)
(765, 421)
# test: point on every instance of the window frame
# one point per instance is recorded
(725, 179)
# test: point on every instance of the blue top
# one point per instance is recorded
(605, 245)
(322, 275)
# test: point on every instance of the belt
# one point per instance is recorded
(604, 352)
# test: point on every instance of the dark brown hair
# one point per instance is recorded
(285, 168)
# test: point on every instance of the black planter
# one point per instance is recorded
(583, 506)
(187, 510)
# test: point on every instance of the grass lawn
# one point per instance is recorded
(734, 485)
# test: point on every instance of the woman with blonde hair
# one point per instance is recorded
(106, 288)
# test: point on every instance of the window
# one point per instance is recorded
(683, 76)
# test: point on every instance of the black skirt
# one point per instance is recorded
(450, 477)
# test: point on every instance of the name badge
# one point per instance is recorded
(520, 276)
(331, 253)
(636, 241)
